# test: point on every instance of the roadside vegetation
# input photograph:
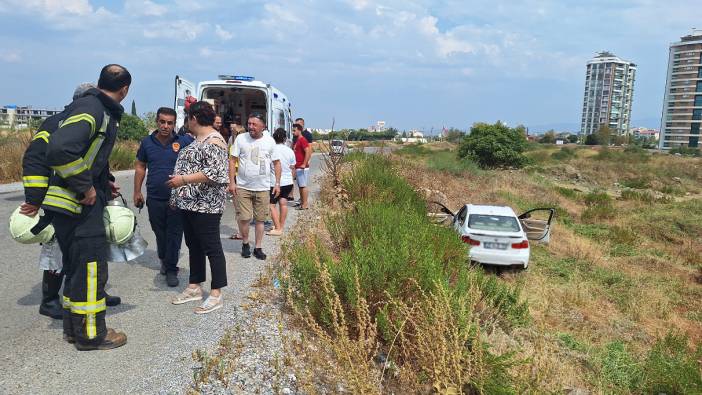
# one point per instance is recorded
(14, 142)
(615, 300)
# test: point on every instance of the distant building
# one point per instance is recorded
(609, 91)
(413, 136)
(20, 116)
(682, 106)
(320, 131)
(378, 127)
(644, 133)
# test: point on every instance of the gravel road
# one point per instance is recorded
(161, 337)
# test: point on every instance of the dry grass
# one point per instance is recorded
(12, 147)
(632, 277)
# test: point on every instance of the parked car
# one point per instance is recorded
(497, 236)
(337, 147)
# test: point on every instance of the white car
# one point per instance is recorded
(337, 147)
(497, 236)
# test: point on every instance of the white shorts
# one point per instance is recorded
(301, 175)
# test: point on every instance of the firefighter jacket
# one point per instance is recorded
(35, 171)
(79, 150)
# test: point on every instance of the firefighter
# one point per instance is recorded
(35, 179)
(79, 188)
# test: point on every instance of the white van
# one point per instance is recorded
(235, 98)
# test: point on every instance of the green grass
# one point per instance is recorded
(413, 150)
(448, 162)
(123, 156)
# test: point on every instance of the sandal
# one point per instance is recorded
(188, 295)
(275, 232)
(210, 304)
(235, 236)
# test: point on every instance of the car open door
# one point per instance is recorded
(183, 89)
(537, 224)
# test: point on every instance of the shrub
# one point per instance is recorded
(642, 196)
(494, 146)
(686, 151)
(599, 206)
(637, 183)
(619, 367)
(413, 150)
(564, 153)
(123, 155)
(131, 128)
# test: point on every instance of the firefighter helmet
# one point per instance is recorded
(119, 222)
(21, 229)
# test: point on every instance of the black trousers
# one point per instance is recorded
(203, 240)
(84, 247)
(167, 225)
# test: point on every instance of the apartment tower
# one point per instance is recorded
(609, 90)
(682, 106)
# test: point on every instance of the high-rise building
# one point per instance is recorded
(609, 90)
(682, 106)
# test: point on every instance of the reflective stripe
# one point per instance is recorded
(44, 135)
(35, 181)
(93, 150)
(80, 117)
(66, 302)
(71, 169)
(62, 203)
(88, 307)
(91, 299)
(63, 193)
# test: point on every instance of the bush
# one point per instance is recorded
(686, 151)
(131, 128)
(413, 150)
(123, 155)
(637, 183)
(564, 153)
(599, 206)
(494, 146)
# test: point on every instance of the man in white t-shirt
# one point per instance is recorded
(254, 152)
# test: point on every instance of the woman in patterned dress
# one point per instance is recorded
(200, 189)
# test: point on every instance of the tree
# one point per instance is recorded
(604, 135)
(548, 137)
(131, 128)
(454, 135)
(573, 138)
(134, 108)
(492, 146)
(591, 139)
(149, 120)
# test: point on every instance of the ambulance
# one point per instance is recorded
(234, 98)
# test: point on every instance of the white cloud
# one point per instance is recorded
(10, 57)
(223, 34)
(281, 15)
(359, 4)
(145, 8)
(179, 30)
(61, 14)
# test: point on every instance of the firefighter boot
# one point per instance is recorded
(113, 339)
(51, 305)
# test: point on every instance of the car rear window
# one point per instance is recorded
(336, 143)
(493, 222)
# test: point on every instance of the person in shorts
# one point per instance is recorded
(303, 154)
(254, 152)
(279, 204)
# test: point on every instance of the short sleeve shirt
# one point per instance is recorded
(160, 161)
(255, 156)
(286, 156)
(300, 145)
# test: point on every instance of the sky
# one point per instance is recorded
(416, 64)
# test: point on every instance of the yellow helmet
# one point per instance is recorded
(21, 229)
(119, 222)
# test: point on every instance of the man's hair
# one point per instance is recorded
(298, 126)
(280, 135)
(81, 89)
(258, 115)
(166, 111)
(299, 119)
(114, 77)
(203, 113)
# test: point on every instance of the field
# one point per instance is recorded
(622, 276)
(14, 143)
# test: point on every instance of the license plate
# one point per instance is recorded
(495, 246)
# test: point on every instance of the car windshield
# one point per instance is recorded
(498, 223)
(336, 143)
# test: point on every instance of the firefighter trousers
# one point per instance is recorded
(84, 247)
